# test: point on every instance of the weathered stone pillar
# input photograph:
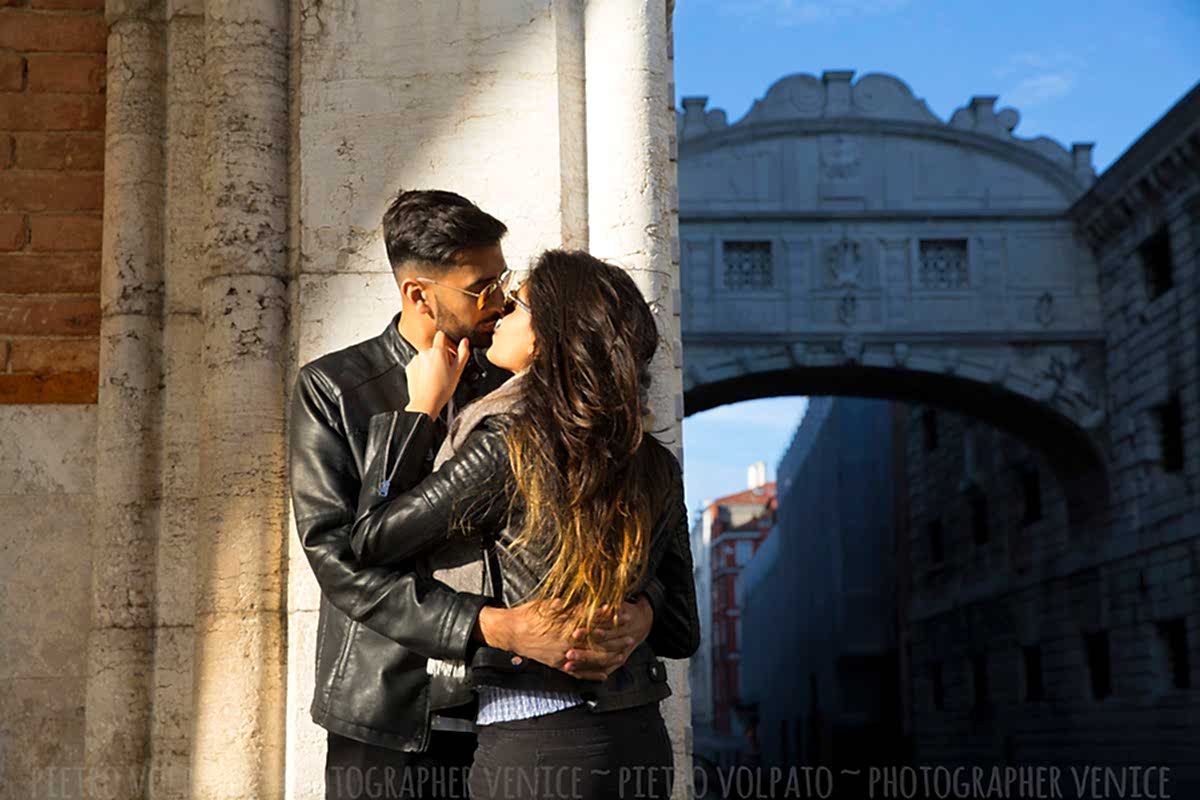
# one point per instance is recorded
(631, 177)
(183, 333)
(238, 728)
(633, 220)
(124, 530)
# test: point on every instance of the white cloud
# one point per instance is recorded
(1029, 62)
(1039, 89)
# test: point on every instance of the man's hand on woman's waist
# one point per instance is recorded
(530, 632)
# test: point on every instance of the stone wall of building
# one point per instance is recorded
(248, 150)
(824, 672)
(47, 458)
(1031, 642)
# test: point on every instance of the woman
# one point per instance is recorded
(585, 510)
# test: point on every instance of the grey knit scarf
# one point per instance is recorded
(459, 563)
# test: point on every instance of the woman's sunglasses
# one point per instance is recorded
(511, 301)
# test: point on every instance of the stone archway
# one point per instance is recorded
(842, 239)
(1073, 451)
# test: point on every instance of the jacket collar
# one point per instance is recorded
(403, 351)
(397, 346)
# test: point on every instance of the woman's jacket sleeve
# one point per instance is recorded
(671, 587)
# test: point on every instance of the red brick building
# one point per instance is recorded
(52, 108)
(741, 523)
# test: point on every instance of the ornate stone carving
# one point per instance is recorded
(840, 167)
(852, 348)
(981, 116)
(1045, 309)
(1061, 379)
(848, 308)
(696, 120)
(840, 158)
(793, 96)
(844, 263)
(875, 95)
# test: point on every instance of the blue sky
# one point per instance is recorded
(1097, 71)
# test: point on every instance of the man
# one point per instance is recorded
(377, 626)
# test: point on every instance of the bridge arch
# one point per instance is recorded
(842, 239)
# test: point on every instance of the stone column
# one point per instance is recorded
(633, 220)
(183, 334)
(238, 722)
(124, 527)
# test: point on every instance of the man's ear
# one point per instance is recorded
(412, 293)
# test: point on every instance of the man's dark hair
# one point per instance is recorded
(432, 226)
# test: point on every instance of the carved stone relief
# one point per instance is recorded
(840, 166)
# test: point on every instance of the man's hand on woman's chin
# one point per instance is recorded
(528, 631)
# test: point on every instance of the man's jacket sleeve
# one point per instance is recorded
(467, 494)
(417, 612)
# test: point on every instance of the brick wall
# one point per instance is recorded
(52, 71)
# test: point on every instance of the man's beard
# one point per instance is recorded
(455, 329)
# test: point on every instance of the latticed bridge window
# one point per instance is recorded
(943, 263)
(748, 265)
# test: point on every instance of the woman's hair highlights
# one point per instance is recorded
(589, 486)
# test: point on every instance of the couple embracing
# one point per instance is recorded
(500, 542)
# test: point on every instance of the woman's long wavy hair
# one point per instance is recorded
(590, 488)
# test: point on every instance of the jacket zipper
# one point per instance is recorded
(386, 484)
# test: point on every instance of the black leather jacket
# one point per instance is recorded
(377, 626)
(393, 528)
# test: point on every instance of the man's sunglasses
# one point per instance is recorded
(485, 294)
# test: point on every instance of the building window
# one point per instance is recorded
(1032, 658)
(1155, 255)
(748, 265)
(929, 427)
(943, 263)
(1031, 493)
(979, 515)
(745, 551)
(973, 450)
(1172, 637)
(937, 551)
(1168, 418)
(937, 688)
(979, 680)
(1099, 664)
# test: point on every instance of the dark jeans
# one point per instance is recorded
(575, 754)
(356, 770)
